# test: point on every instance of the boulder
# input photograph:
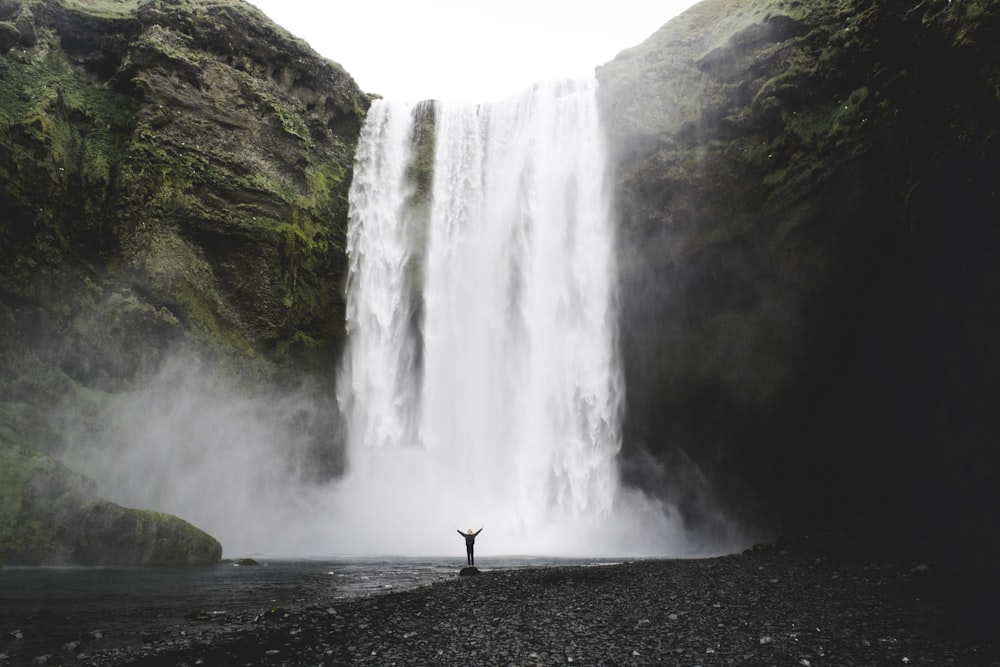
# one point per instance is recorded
(9, 36)
(52, 516)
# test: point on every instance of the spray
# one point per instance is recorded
(503, 404)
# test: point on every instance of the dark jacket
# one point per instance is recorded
(470, 539)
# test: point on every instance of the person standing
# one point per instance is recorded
(470, 543)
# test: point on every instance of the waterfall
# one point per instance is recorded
(481, 382)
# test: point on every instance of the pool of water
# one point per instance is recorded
(44, 609)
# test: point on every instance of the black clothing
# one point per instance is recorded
(470, 543)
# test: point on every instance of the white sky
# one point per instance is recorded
(468, 50)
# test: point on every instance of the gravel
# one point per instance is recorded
(794, 605)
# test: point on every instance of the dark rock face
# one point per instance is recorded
(809, 197)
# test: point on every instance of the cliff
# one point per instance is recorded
(807, 197)
(173, 181)
(808, 202)
(157, 155)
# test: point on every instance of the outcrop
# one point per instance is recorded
(52, 516)
(173, 181)
(808, 203)
(179, 168)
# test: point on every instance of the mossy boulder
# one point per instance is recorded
(9, 36)
(52, 516)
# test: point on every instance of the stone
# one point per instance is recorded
(9, 36)
(52, 516)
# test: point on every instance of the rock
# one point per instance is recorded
(610, 615)
(468, 571)
(173, 180)
(192, 161)
(9, 36)
(114, 535)
(788, 173)
(53, 517)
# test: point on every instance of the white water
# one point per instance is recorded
(481, 383)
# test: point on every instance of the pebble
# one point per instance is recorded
(613, 615)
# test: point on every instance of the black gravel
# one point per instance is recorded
(769, 606)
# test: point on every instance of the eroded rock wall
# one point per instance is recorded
(180, 168)
(173, 184)
(808, 197)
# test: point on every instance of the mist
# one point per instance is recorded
(245, 468)
(481, 385)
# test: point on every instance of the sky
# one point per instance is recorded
(468, 50)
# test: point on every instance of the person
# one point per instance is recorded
(470, 543)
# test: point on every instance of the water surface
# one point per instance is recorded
(109, 607)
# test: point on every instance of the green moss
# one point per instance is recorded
(110, 9)
(292, 121)
(49, 515)
(420, 171)
(62, 140)
(95, 179)
(17, 467)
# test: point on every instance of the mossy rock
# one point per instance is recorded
(114, 535)
(9, 36)
(192, 156)
(52, 516)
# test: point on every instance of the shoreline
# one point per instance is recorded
(768, 606)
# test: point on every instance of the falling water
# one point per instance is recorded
(481, 383)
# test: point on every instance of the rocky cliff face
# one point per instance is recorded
(809, 195)
(173, 181)
(180, 168)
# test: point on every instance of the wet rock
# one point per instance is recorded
(469, 571)
(60, 520)
(9, 36)
(715, 611)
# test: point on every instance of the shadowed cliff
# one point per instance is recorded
(808, 198)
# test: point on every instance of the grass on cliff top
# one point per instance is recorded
(124, 8)
(714, 22)
(103, 8)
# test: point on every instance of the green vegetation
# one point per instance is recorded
(173, 178)
(17, 467)
(49, 515)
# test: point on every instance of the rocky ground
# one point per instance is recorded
(769, 606)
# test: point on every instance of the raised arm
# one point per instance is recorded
(478, 531)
